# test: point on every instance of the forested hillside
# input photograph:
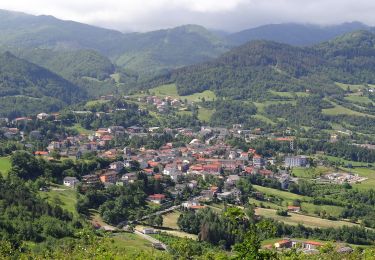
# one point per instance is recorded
(22, 79)
(253, 69)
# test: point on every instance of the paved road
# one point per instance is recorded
(151, 239)
(161, 212)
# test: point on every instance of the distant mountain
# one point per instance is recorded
(294, 34)
(26, 88)
(171, 48)
(143, 52)
(29, 31)
(251, 70)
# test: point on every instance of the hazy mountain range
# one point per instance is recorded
(48, 58)
(152, 51)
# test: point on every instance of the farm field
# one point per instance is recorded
(295, 219)
(5, 165)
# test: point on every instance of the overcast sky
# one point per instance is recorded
(228, 15)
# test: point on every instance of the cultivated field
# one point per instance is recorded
(295, 219)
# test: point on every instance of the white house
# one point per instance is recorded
(70, 182)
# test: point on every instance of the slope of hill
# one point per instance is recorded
(23, 83)
(71, 64)
(294, 34)
(249, 71)
(353, 57)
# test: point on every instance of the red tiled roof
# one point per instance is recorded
(283, 242)
(197, 207)
(284, 139)
(150, 171)
(313, 243)
(157, 196)
(153, 164)
(41, 153)
(293, 207)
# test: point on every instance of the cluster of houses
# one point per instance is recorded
(161, 104)
(308, 247)
(182, 165)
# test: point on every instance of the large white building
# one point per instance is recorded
(296, 161)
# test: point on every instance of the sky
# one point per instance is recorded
(225, 15)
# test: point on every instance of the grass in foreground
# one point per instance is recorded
(131, 245)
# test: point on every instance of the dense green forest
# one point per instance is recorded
(26, 217)
(251, 70)
(33, 88)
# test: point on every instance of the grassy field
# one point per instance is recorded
(130, 244)
(352, 87)
(264, 119)
(170, 220)
(5, 165)
(171, 90)
(358, 99)
(309, 173)
(364, 172)
(295, 219)
(289, 94)
(261, 106)
(165, 90)
(312, 209)
(63, 196)
(340, 110)
(205, 114)
(80, 129)
(92, 103)
(288, 196)
(341, 160)
(184, 112)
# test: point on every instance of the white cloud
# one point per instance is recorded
(219, 14)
